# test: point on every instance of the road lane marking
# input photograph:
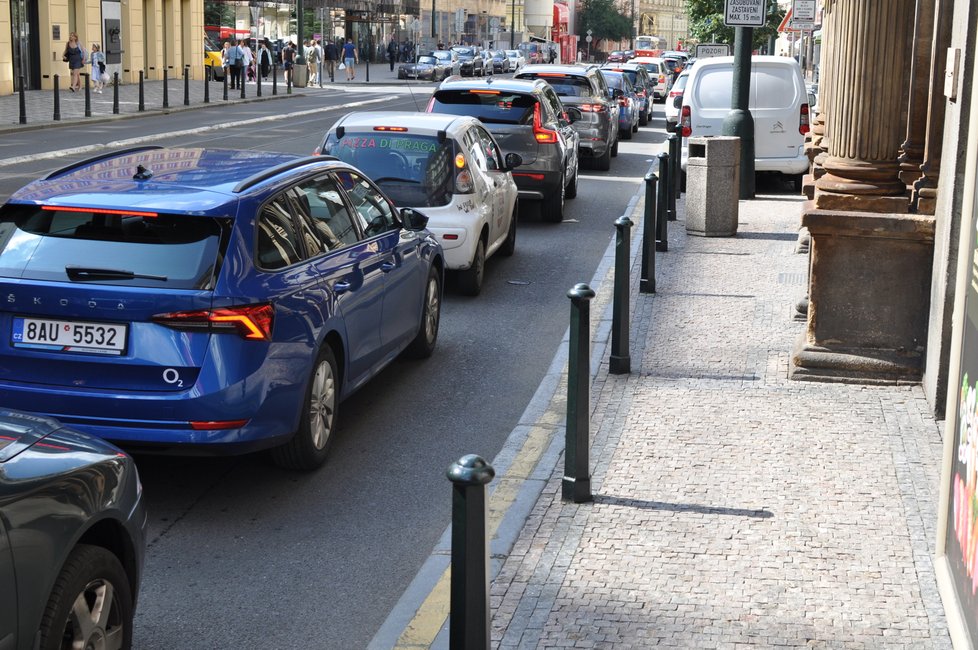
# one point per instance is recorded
(50, 155)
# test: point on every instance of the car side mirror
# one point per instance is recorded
(413, 220)
(617, 93)
(513, 160)
(567, 117)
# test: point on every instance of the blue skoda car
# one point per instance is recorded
(185, 300)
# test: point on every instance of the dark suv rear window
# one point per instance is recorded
(565, 85)
(498, 107)
(413, 170)
(170, 251)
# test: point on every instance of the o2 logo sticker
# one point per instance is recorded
(172, 376)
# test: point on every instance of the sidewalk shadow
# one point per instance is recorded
(681, 507)
(778, 236)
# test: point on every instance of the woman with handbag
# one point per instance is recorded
(74, 56)
(97, 59)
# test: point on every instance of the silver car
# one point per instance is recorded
(589, 102)
(526, 117)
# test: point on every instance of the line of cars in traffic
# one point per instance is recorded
(468, 61)
(195, 300)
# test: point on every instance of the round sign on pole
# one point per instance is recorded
(588, 38)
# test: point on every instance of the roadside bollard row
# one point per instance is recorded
(208, 78)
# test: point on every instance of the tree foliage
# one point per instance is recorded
(605, 21)
(706, 22)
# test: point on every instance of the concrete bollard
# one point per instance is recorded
(576, 484)
(647, 278)
(712, 186)
(662, 206)
(469, 604)
(142, 94)
(620, 362)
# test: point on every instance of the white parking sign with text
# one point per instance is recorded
(745, 13)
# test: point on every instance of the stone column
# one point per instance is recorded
(912, 149)
(828, 78)
(865, 124)
(925, 188)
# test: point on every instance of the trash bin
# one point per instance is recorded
(300, 75)
(713, 186)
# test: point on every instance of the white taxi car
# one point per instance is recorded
(450, 168)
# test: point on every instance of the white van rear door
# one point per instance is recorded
(709, 99)
(776, 99)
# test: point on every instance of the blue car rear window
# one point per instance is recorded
(159, 250)
(504, 108)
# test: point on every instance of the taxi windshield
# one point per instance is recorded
(413, 170)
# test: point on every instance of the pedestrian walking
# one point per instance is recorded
(248, 60)
(264, 59)
(392, 52)
(331, 54)
(74, 56)
(350, 59)
(235, 67)
(319, 62)
(312, 62)
(288, 61)
(225, 64)
(97, 61)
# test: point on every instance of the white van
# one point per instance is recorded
(778, 104)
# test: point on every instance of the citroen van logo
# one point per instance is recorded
(778, 127)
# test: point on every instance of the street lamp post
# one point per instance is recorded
(512, 27)
(300, 49)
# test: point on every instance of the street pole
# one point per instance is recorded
(739, 121)
(512, 28)
(300, 46)
(433, 38)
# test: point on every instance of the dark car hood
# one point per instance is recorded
(19, 431)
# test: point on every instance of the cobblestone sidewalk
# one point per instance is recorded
(734, 508)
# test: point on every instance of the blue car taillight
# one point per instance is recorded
(251, 322)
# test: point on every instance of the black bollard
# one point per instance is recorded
(288, 85)
(226, 73)
(23, 100)
(620, 362)
(142, 94)
(675, 154)
(88, 96)
(576, 484)
(241, 81)
(368, 68)
(186, 85)
(662, 205)
(647, 282)
(208, 71)
(673, 174)
(258, 81)
(166, 89)
(57, 99)
(274, 79)
(115, 93)
(469, 605)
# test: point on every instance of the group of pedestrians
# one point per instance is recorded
(76, 56)
(240, 63)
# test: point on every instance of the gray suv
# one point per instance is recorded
(590, 104)
(525, 117)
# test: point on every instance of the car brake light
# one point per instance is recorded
(127, 213)
(593, 108)
(398, 129)
(463, 182)
(215, 425)
(803, 124)
(484, 92)
(686, 121)
(641, 93)
(252, 322)
(543, 136)
(662, 78)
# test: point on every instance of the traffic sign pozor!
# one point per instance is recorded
(745, 13)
